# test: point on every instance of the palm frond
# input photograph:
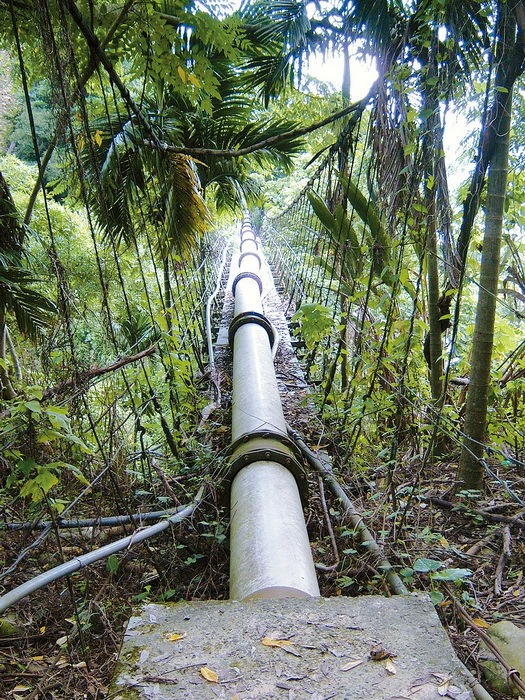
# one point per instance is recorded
(186, 216)
(31, 308)
(285, 21)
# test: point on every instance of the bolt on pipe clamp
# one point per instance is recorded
(266, 446)
(250, 317)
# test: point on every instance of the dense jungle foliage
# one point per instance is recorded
(133, 135)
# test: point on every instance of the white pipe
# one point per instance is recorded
(270, 550)
(270, 554)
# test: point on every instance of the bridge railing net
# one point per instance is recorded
(359, 315)
(360, 303)
(116, 387)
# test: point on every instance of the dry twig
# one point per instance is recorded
(512, 673)
(505, 554)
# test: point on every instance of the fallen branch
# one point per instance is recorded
(324, 567)
(505, 554)
(367, 539)
(171, 493)
(459, 507)
(93, 372)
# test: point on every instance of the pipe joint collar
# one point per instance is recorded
(252, 276)
(250, 317)
(249, 240)
(246, 254)
(267, 446)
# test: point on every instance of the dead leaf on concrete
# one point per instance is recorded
(275, 642)
(440, 677)
(291, 650)
(458, 694)
(209, 675)
(390, 668)
(175, 637)
(443, 688)
(351, 664)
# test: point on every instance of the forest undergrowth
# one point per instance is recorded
(471, 552)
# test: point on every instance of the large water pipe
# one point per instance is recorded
(269, 547)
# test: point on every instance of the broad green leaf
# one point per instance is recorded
(436, 597)
(423, 566)
(112, 563)
(452, 574)
(322, 211)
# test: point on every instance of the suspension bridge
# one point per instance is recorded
(277, 637)
(155, 319)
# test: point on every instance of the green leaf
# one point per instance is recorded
(316, 322)
(48, 435)
(423, 566)
(27, 465)
(452, 574)
(112, 563)
(322, 212)
(436, 597)
(40, 485)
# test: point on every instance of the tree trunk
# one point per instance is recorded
(470, 473)
(12, 352)
(435, 346)
(431, 155)
(6, 388)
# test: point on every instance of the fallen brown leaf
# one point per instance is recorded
(209, 675)
(275, 642)
(176, 637)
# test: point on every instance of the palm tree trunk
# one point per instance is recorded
(12, 352)
(431, 149)
(435, 346)
(6, 388)
(470, 473)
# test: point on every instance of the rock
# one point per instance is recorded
(510, 641)
(9, 629)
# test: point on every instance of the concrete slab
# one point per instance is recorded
(330, 654)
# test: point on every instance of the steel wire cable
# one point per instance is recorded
(427, 407)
